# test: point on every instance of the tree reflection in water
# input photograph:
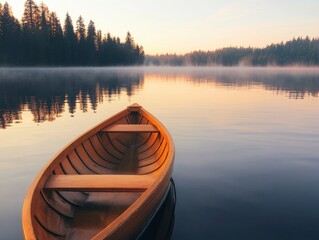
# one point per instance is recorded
(45, 92)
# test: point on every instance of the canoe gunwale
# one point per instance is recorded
(157, 189)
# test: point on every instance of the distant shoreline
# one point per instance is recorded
(300, 51)
(166, 66)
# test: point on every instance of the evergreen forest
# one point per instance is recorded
(40, 39)
(298, 51)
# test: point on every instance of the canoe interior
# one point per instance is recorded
(81, 215)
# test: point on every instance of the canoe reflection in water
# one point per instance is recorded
(106, 184)
(161, 225)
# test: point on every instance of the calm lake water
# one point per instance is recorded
(247, 141)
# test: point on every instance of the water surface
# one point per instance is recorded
(247, 159)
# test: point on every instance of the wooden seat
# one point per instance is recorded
(99, 183)
(130, 128)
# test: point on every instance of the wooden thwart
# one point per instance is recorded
(133, 128)
(99, 183)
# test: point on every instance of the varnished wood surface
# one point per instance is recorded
(100, 209)
(104, 184)
(130, 128)
(99, 183)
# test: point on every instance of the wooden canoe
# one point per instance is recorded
(103, 185)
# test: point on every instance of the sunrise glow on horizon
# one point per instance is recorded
(184, 26)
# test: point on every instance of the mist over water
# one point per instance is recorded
(246, 139)
(45, 91)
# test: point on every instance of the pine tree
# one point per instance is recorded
(31, 16)
(55, 26)
(1, 31)
(80, 29)
(57, 56)
(91, 43)
(129, 41)
(68, 28)
(91, 34)
(107, 50)
(44, 11)
(81, 37)
(71, 44)
(44, 35)
(99, 46)
(129, 47)
(31, 22)
(138, 55)
(10, 38)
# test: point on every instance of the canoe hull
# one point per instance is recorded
(161, 225)
(151, 154)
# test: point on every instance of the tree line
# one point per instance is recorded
(298, 51)
(39, 39)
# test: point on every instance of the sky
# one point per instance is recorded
(181, 26)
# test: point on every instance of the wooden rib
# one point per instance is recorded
(50, 219)
(121, 120)
(77, 199)
(86, 151)
(99, 183)
(77, 164)
(127, 119)
(58, 204)
(140, 137)
(58, 170)
(130, 128)
(149, 143)
(114, 140)
(74, 198)
(91, 164)
(154, 167)
(43, 233)
(122, 150)
(143, 120)
(124, 138)
(153, 159)
(139, 121)
(67, 168)
(151, 151)
(120, 145)
(104, 151)
(144, 139)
